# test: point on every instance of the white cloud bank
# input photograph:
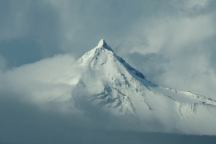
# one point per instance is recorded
(41, 82)
(47, 87)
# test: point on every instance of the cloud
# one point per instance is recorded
(34, 80)
(35, 108)
(176, 50)
(191, 7)
(22, 123)
(170, 33)
(29, 31)
(174, 46)
(37, 105)
(48, 86)
(13, 24)
(195, 4)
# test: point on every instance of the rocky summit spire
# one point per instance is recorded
(102, 44)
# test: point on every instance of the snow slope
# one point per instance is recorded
(101, 84)
(114, 86)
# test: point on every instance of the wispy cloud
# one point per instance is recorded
(178, 45)
(170, 33)
(195, 4)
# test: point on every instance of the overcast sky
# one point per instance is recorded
(173, 42)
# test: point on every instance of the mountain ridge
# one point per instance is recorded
(114, 86)
(101, 87)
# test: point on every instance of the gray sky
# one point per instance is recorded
(53, 26)
(171, 41)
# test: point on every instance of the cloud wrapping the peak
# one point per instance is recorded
(176, 49)
(172, 42)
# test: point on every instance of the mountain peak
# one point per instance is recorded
(102, 44)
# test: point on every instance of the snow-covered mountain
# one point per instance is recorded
(112, 85)
(101, 85)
